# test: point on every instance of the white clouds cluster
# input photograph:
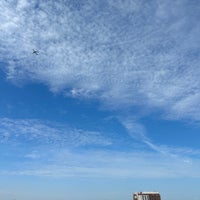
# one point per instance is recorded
(144, 55)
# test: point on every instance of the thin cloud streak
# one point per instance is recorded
(138, 132)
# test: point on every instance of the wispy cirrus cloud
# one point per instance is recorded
(17, 131)
(138, 132)
(55, 151)
(145, 54)
(107, 164)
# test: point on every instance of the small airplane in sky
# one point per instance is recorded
(36, 52)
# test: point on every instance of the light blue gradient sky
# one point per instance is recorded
(110, 105)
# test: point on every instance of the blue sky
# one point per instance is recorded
(108, 107)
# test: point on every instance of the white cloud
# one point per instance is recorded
(55, 151)
(47, 133)
(135, 129)
(33, 155)
(138, 132)
(116, 54)
(109, 164)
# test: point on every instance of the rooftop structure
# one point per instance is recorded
(146, 196)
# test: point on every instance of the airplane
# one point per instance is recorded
(36, 52)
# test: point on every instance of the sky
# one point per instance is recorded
(108, 107)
